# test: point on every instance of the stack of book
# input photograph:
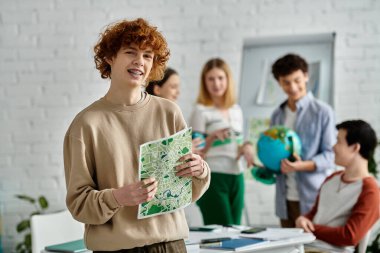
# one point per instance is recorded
(276, 234)
(68, 247)
(233, 244)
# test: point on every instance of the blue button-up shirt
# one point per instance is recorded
(315, 125)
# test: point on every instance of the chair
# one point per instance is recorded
(362, 246)
(55, 228)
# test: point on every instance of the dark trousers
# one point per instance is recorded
(161, 247)
(293, 208)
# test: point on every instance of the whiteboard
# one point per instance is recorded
(260, 93)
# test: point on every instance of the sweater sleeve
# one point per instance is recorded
(201, 183)
(364, 214)
(85, 202)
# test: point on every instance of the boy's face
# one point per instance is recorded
(343, 152)
(131, 65)
(294, 85)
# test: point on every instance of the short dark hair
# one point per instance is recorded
(359, 131)
(168, 73)
(288, 64)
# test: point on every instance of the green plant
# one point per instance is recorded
(40, 205)
(372, 167)
(375, 245)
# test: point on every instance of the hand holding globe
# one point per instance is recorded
(274, 145)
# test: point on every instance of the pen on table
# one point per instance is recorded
(217, 239)
(211, 244)
(237, 227)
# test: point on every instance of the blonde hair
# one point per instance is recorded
(204, 96)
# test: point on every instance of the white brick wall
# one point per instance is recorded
(48, 75)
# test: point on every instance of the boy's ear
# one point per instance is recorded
(156, 90)
(109, 61)
(357, 147)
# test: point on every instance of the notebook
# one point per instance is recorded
(69, 247)
(275, 234)
(237, 244)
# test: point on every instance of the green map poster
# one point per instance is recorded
(158, 159)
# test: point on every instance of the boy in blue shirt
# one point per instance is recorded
(313, 120)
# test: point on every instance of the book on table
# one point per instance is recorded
(68, 247)
(276, 234)
(237, 244)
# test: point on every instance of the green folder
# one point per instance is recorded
(70, 247)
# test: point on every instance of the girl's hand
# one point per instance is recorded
(221, 134)
(246, 150)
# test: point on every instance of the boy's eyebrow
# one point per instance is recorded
(149, 51)
(130, 47)
(135, 48)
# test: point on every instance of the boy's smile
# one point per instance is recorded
(131, 65)
(294, 85)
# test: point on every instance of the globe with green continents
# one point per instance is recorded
(275, 144)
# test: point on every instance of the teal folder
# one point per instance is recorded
(69, 247)
(234, 244)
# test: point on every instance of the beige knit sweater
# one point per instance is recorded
(101, 150)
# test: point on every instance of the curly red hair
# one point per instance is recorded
(123, 33)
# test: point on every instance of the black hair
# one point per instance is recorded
(168, 73)
(288, 64)
(359, 131)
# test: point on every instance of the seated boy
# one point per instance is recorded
(348, 202)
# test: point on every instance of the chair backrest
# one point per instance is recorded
(55, 228)
(362, 246)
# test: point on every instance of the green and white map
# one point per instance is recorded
(158, 159)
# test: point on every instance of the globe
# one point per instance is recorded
(275, 144)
